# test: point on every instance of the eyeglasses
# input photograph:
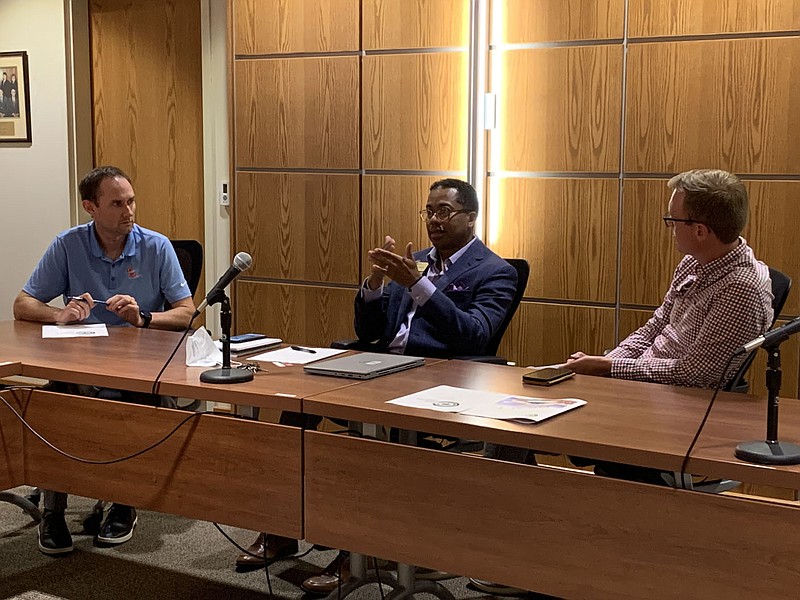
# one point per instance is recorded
(442, 214)
(670, 222)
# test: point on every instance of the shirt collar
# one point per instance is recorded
(725, 261)
(433, 257)
(97, 251)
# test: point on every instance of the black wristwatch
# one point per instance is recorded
(146, 318)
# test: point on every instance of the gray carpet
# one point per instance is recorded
(168, 557)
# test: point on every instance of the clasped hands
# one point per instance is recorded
(124, 306)
(586, 364)
(385, 263)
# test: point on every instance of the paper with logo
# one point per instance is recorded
(524, 409)
(446, 398)
(73, 331)
(491, 405)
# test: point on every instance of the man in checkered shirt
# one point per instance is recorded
(720, 296)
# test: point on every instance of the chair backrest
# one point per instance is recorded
(781, 285)
(190, 256)
(523, 271)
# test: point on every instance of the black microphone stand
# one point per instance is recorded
(771, 451)
(226, 374)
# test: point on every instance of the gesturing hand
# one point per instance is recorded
(376, 275)
(402, 269)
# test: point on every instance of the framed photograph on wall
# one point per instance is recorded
(15, 98)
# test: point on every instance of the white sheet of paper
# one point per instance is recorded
(524, 409)
(446, 398)
(71, 331)
(296, 357)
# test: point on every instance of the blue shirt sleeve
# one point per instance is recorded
(49, 278)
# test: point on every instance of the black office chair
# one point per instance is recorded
(781, 286)
(190, 256)
(523, 272)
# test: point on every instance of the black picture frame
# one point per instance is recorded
(15, 99)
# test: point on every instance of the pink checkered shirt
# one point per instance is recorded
(708, 312)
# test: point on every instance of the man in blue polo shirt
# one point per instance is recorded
(134, 271)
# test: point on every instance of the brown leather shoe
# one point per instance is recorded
(327, 581)
(266, 546)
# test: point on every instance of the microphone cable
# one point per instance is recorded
(267, 563)
(157, 380)
(703, 422)
(90, 461)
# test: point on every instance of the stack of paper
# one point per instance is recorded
(296, 355)
(251, 346)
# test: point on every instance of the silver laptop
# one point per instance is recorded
(366, 365)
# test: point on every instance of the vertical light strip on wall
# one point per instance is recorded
(476, 135)
(623, 108)
(497, 88)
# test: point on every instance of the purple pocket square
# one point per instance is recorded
(454, 287)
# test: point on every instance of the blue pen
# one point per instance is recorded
(82, 299)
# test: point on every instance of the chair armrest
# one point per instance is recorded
(353, 345)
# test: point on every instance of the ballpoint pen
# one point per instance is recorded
(82, 299)
(301, 349)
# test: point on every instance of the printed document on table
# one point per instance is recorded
(446, 398)
(72, 331)
(523, 409)
(296, 357)
(491, 405)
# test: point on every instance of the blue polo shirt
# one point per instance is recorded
(74, 263)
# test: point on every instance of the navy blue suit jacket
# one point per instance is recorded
(471, 300)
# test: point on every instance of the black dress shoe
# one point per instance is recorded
(327, 581)
(54, 536)
(118, 526)
(266, 547)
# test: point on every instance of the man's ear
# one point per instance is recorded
(702, 231)
(89, 206)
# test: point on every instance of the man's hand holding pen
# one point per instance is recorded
(79, 308)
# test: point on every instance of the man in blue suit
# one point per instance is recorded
(447, 300)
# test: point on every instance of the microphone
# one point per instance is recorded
(241, 262)
(771, 338)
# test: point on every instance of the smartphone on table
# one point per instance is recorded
(547, 376)
(247, 337)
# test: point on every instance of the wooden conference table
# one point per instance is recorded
(554, 531)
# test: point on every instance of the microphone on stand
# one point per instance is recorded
(771, 338)
(241, 262)
(226, 374)
(771, 450)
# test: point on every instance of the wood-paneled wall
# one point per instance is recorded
(599, 103)
(147, 100)
(334, 150)
(594, 119)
